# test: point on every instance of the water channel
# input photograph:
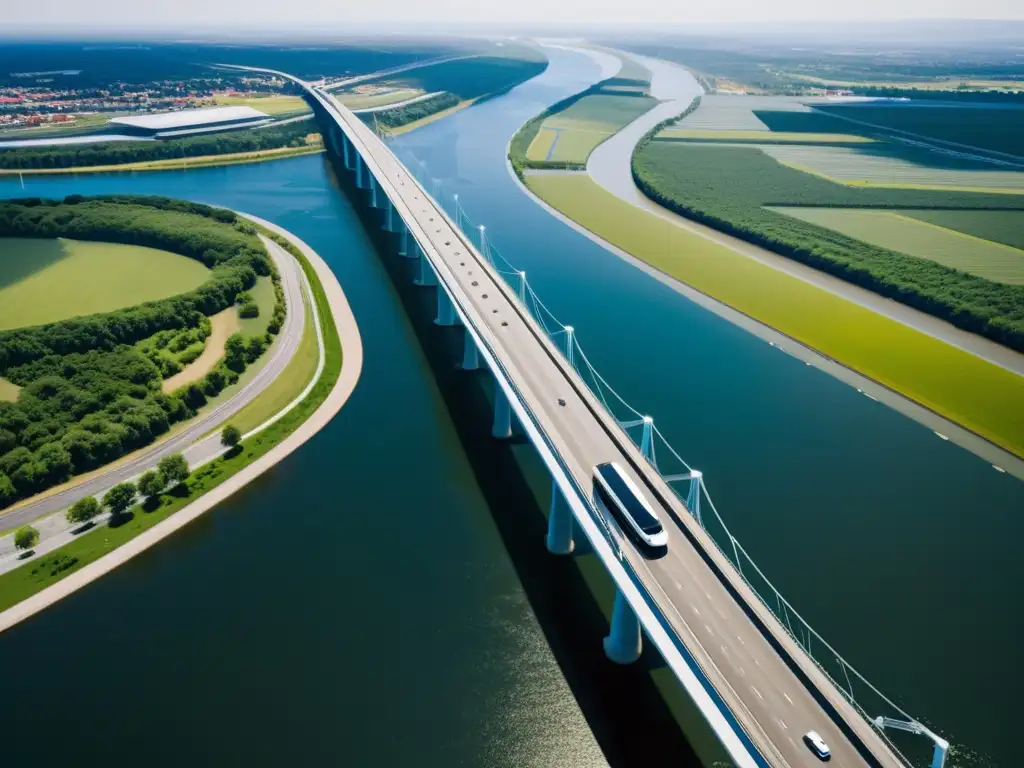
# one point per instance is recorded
(420, 621)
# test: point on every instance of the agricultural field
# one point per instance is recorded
(8, 391)
(42, 281)
(571, 135)
(937, 84)
(759, 137)
(929, 371)
(738, 113)
(994, 128)
(892, 165)
(272, 104)
(1006, 227)
(896, 232)
(732, 188)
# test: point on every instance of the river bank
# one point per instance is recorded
(263, 447)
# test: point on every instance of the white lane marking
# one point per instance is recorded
(757, 692)
(787, 698)
(695, 609)
(740, 639)
(783, 723)
(741, 670)
(756, 661)
(708, 629)
(678, 585)
(726, 652)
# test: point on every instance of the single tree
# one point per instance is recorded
(26, 537)
(152, 483)
(230, 436)
(83, 510)
(174, 468)
(119, 498)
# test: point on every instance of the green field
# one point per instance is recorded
(933, 373)
(263, 295)
(354, 100)
(760, 137)
(892, 230)
(271, 104)
(42, 281)
(585, 124)
(993, 128)
(1006, 227)
(737, 113)
(893, 166)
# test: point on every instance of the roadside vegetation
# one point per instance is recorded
(296, 135)
(729, 188)
(90, 387)
(182, 487)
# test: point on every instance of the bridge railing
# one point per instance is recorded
(687, 483)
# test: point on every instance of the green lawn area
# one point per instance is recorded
(272, 104)
(263, 295)
(45, 280)
(933, 373)
(36, 575)
(1006, 227)
(366, 100)
(287, 386)
(762, 137)
(8, 391)
(586, 123)
(892, 230)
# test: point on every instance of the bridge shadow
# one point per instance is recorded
(622, 705)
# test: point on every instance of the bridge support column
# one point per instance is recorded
(427, 276)
(406, 245)
(360, 172)
(502, 428)
(346, 151)
(624, 643)
(389, 214)
(560, 525)
(374, 193)
(470, 354)
(445, 308)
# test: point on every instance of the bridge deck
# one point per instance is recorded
(705, 603)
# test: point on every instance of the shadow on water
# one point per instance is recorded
(621, 704)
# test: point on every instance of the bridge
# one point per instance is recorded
(743, 654)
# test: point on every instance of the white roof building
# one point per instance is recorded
(189, 120)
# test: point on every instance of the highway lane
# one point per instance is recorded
(280, 355)
(769, 701)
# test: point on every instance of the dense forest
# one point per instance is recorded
(91, 386)
(728, 187)
(119, 152)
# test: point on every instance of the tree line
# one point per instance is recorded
(121, 152)
(729, 188)
(91, 389)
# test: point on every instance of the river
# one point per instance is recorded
(379, 600)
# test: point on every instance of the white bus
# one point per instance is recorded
(623, 499)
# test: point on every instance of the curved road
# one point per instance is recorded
(196, 448)
(610, 165)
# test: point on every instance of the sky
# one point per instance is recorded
(70, 15)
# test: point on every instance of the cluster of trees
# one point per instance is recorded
(393, 118)
(88, 395)
(120, 152)
(729, 187)
(173, 349)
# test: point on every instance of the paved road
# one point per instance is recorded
(610, 166)
(760, 689)
(198, 450)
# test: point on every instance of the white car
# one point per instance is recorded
(817, 745)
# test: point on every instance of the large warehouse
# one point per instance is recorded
(191, 121)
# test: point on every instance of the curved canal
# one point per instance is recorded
(379, 600)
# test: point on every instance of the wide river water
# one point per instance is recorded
(372, 601)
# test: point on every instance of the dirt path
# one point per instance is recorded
(223, 324)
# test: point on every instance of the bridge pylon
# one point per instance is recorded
(570, 343)
(346, 152)
(374, 201)
(502, 427)
(426, 276)
(624, 641)
(647, 439)
(470, 354)
(560, 525)
(445, 308)
(406, 247)
(693, 495)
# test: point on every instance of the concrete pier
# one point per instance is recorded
(470, 354)
(624, 643)
(560, 525)
(502, 428)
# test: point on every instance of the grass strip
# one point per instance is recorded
(931, 372)
(34, 576)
